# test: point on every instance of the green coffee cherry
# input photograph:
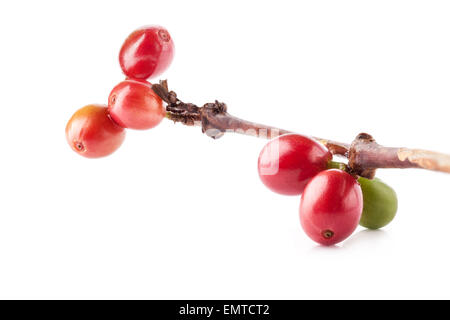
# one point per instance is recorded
(380, 203)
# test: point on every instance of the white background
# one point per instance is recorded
(174, 214)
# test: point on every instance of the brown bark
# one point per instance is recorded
(364, 154)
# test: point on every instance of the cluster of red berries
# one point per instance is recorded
(333, 202)
(99, 130)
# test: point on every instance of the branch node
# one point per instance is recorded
(363, 141)
(209, 115)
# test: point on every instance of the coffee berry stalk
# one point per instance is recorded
(335, 197)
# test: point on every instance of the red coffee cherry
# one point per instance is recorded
(91, 132)
(133, 104)
(147, 52)
(331, 207)
(287, 163)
